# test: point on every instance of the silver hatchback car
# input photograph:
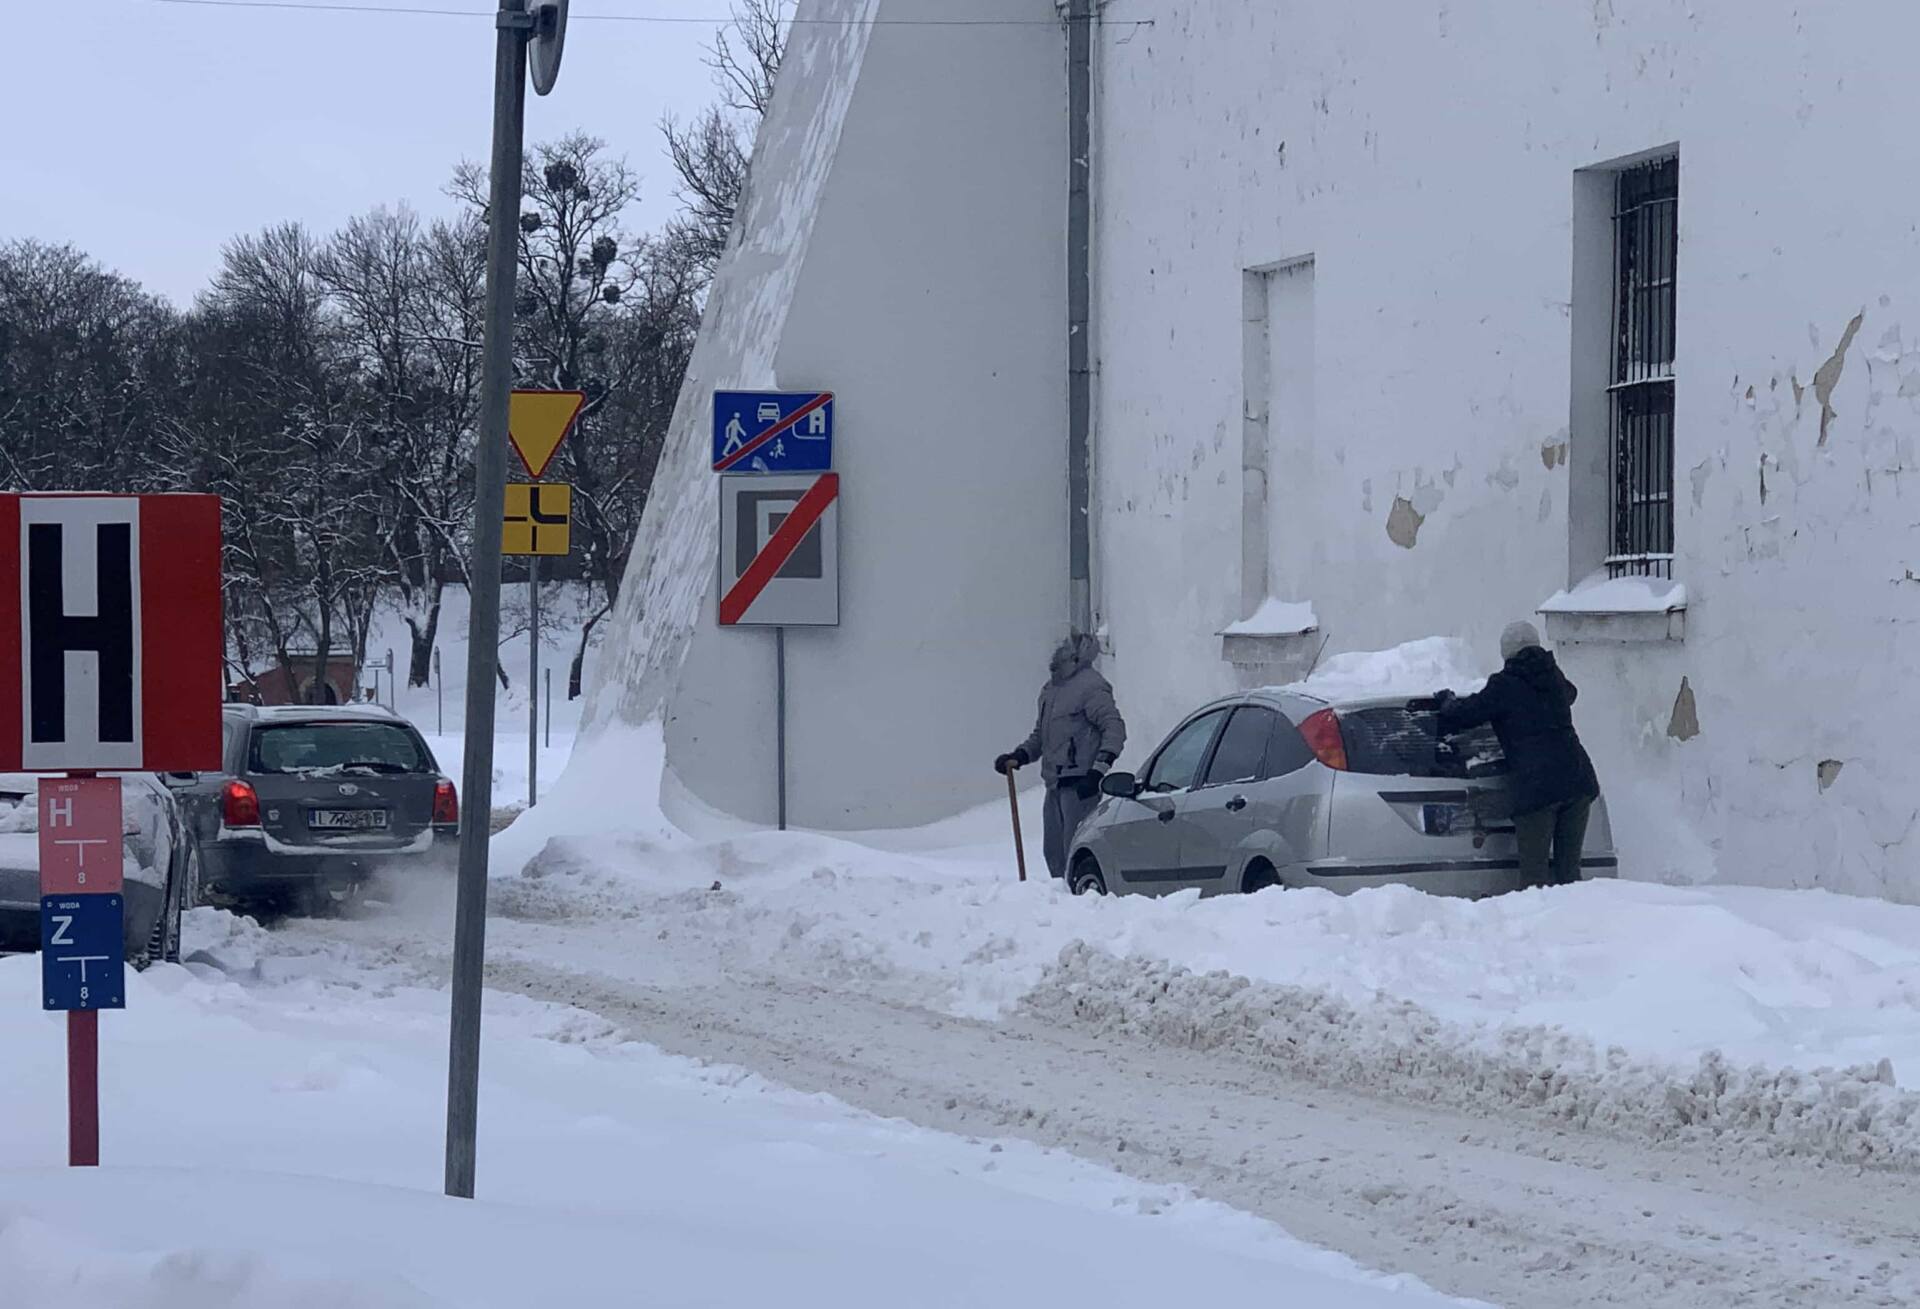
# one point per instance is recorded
(1277, 788)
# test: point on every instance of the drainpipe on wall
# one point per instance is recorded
(1079, 299)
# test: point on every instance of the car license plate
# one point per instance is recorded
(1443, 819)
(347, 820)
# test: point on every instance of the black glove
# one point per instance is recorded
(1086, 786)
(1006, 763)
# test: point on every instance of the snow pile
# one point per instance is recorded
(273, 1137)
(1414, 669)
(1276, 618)
(1852, 1115)
(1601, 594)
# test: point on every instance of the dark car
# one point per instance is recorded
(311, 804)
(160, 868)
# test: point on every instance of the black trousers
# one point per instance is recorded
(1551, 841)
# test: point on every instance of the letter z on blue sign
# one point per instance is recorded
(772, 431)
(83, 952)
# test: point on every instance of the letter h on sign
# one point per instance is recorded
(57, 633)
(81, 654)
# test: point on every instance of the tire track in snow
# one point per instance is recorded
(1487, 1205)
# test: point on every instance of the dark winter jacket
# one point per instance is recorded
(1528, 703)
(1079, 729)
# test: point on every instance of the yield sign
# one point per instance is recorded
(538, 421)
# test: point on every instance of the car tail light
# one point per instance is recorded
(239, 806)
(446, 804)
(1322, 733)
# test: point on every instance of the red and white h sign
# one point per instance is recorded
(115, 603)
(80, 836)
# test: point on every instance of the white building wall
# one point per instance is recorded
(1427, 165)
(914, 265)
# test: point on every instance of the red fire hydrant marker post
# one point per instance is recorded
(83, 1088)
(132, 584)
(82, 949)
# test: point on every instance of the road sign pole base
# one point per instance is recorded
(83, 1088)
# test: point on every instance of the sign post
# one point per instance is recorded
(779, 527)
(116, 665)
(538, 521)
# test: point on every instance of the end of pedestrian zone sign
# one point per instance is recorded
(772, 431)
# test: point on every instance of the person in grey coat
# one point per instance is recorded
(1077, 737)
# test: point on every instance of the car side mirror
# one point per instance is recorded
(1124, 785)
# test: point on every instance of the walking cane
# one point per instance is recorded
(1019, 845)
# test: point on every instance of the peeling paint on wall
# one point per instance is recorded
(1828, 376)
(1684, 725)
(1403, 523)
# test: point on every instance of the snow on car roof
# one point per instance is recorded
(1405, 672)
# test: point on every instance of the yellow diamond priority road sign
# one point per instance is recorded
(538, 421)
(539, 519)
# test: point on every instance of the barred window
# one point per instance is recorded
(1646, 233)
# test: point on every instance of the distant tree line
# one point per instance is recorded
(326, 385)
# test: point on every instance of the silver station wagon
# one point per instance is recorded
(1277, 788)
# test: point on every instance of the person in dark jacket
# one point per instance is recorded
(1076, 738)
(1529, 705)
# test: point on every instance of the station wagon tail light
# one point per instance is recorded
(1322, 734)
(446, 804)
(239, 806)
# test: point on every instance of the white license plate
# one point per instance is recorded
(347, 820)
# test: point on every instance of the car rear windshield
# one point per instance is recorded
(337, 747)
(1401, 741)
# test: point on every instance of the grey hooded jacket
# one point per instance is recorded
(1079, 729)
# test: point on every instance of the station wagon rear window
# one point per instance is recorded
(321, 748)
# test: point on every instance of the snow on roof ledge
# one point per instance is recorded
(1600, 594)
(1276, 618)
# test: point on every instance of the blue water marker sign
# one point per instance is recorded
(772, 431)
(83, 952)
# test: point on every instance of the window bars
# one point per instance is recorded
(1645, 242)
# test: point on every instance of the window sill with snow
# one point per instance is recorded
(1276, 644)
(1617, 610)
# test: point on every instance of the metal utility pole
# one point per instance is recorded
(533, 681)
(520, 34)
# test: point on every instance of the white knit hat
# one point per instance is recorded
(1518, 637)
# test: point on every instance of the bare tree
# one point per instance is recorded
(409, 301)
(611, 315)
(710, 154)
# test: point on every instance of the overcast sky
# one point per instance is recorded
(148, 133)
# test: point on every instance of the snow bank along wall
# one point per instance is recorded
(1353, 289)
(900, 245)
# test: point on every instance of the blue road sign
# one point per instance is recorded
(83, 952)
(772, 431)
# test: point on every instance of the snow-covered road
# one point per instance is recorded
(1367, 1129)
